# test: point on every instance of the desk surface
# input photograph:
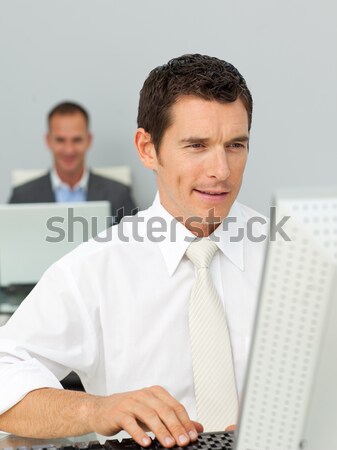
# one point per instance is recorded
(12, 296)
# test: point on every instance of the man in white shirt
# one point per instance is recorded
(116, 310)
(69, 138)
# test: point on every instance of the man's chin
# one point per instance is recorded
(213, 216)
(206, 220)
(70, 170)
(201, 227)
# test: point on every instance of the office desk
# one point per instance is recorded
(12, 296)
(10, 299)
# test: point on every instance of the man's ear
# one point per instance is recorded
(47, 139)
(90, 140)
(146, 149)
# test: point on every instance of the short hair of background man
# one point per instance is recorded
(66, 109)
(203, 76)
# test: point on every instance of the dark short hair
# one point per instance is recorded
(200, 75)
(68, 108)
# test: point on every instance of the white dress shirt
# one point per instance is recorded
(117, 312)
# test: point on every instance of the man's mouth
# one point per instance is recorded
(211, 192)
(69, 159)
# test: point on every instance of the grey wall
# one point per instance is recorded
(99, 53)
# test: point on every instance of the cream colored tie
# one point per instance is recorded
(213, 371)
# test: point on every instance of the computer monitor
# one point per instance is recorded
(290, 396)
(35, 235)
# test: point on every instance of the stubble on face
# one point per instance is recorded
(201, 161)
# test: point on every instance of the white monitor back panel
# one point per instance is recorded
(290, 399)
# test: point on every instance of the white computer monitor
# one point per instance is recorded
(35, 235)
(290, 396)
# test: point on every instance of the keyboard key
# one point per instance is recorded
(95, 445)
(125, 444)
(38, 447)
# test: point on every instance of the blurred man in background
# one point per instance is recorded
(69, 140)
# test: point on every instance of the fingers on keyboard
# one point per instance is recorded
(174, 417)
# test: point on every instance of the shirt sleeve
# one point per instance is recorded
(49, 335)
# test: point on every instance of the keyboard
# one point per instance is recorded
(206, 441)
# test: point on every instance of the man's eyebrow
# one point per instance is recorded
(202, 140)
(242, 138)
(195, 140)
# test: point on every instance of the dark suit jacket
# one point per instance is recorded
(99, 188)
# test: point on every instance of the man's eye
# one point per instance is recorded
(237, 145)
(196, 145)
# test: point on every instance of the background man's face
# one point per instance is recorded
(68, 139)
(202, 157)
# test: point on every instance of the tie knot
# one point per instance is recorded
(201, 252)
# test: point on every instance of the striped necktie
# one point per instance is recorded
(213, 371)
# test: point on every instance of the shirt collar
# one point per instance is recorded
(58, 183)
(178, 237)
(230, 235)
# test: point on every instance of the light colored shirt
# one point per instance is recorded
(65, 193)
(116, 312)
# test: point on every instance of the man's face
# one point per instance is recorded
(68, 139)
(201, 159)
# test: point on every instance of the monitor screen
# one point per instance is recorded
(35, 235)
(290, 396)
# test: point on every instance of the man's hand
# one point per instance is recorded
(152, 409)
(55, 413)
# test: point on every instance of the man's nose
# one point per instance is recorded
(69, 147)
(218, 165)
